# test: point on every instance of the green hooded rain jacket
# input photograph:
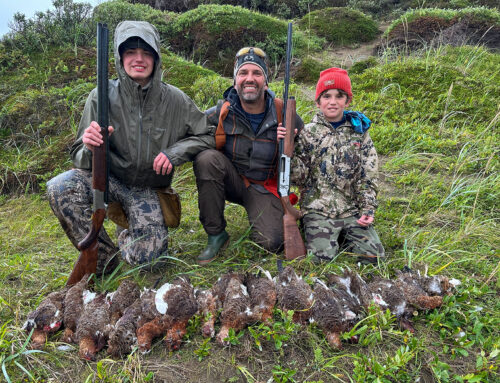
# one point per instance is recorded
(146, 121)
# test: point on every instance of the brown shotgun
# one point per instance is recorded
(87, 261)
(294, 245)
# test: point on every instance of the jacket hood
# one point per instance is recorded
(356, 120)
(146, 31)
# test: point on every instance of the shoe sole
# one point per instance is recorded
(222, 248)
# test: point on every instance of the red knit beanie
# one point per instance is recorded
(333, 78)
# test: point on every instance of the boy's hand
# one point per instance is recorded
(162, 164)
(365, 220)
(92, 135)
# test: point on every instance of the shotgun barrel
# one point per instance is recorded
(294, 245)
(87, 261)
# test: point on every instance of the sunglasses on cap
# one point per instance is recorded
(259, 52)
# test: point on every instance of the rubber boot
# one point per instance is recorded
(214, 245)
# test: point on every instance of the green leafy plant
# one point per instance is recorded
(279, 332)
(283, 375)
(234, 338)
(204, 350)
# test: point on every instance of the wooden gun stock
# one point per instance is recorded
(294, 245)
(87, 261)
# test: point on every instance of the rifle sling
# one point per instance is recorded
(220, 134)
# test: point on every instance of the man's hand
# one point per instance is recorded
(365, 220)
(162, 164)
(281, 131)
(92, 135)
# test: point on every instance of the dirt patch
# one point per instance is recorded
(470, 32)
(346, 56)
(432, 31)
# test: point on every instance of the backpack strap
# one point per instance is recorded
(220, 135)
(278, 104)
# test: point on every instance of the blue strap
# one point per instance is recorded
(360, 123)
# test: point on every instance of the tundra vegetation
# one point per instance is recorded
(435, 112)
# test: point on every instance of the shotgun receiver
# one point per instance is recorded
(294, 245)
(87, 261)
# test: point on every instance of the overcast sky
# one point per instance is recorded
(28, 7)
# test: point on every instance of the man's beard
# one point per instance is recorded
(250, 98)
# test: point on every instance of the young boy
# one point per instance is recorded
(335, 166)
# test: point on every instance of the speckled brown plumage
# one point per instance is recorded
(236, 312)
(152, 329)
(123, 337)
(146, 314)
(46, 318)
(220, 287)
(352, 290)
(387, 295)
(329, 314)
(354, 287)
(243, 300)
(148, 307)
(73, 306)
(415, 294)
(174, 304)
(93, 327)
(262, 291)
(126, 293)
(294, 294)
(432, 285)
(182, 305)
(207, 310)
(381, 292)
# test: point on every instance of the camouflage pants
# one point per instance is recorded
(70, 197)
(322, 238)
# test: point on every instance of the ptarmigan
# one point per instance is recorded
(47, 318)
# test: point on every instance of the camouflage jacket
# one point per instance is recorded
(336, 170)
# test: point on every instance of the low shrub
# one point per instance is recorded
(112, 12)
(362, 65)
(208, 90)
(280, 8)
(308, 70)
(341, 26)
(421, 28)
(182, 73)
(67, 24)
(212, 34)
(491, 16)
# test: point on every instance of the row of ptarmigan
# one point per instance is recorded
(130, 317)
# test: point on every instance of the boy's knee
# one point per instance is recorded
(323, 249)
(369, 251)
(143, 246)
(69, 182)
(56, 186)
